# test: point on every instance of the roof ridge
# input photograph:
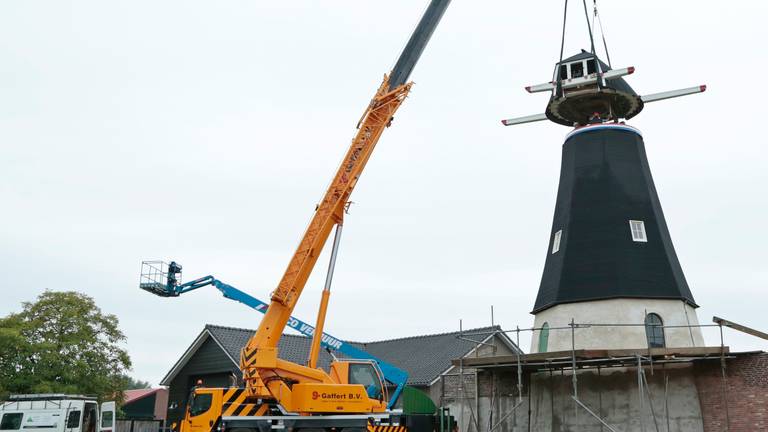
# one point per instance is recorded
(494, 327)
(476, 329)
(207, 326)
(144, 393)
(216, 326)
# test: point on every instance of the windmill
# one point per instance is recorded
(610, 258)
(587, 91)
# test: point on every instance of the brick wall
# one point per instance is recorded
(746, 393)
(452, 388)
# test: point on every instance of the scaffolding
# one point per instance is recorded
(577, 360)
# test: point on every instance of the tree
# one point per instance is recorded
(132, 384)
(62, 343)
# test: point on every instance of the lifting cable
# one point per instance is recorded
(558, 78)
(602, 33)
(589, 27)
(600, 81)
(562, 41)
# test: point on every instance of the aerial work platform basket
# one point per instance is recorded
(160, 278)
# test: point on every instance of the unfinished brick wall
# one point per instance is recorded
(746, 393)
(499, 383)
(452, 388)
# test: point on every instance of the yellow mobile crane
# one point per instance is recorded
(309, 389)
(279, 394)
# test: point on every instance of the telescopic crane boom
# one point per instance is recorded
(265, 375)
(278, 394)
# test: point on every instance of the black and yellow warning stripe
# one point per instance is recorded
(247, 410)
(387, 428)
(247, 355)
(233, 404)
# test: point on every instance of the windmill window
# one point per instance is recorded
(556, 241)
(577, 70)
(544, 337)
(563, 72)
(638, 231)
(591, 66)
(654, 331)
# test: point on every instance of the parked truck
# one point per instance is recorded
(56, 413)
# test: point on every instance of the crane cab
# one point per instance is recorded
(207, 405)
(356, 387)
(203, 409)
(362, 372)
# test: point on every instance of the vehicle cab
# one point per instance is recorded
(362, 372)
(203, 410)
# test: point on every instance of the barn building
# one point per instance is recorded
(213, 357)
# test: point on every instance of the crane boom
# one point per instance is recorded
(416, 44)
(328, 213)
(258, 359)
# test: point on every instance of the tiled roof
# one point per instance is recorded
(426, 357)
(131, 395)
(423, 357)
(293, 348)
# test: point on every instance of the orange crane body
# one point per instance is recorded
(282, 394)
(348, 387)
(264, 374)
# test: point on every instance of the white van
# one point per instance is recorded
(56, 413)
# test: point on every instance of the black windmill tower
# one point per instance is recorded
(609, 239)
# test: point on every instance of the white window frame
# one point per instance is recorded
(638, 235)
(556, 242)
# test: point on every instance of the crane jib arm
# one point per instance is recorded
(261, 368)
(329, 212)
(418, 41)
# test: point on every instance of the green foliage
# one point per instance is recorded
(62, 343)
(132, 384)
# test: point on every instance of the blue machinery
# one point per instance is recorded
(162, 279)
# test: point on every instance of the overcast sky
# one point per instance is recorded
(206, 131)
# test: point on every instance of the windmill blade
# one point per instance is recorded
(655, 97)
(575, 82)
(526, 119)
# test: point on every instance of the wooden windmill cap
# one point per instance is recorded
(579, 104)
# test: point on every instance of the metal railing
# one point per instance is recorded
(639, 361)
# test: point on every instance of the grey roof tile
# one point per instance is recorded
(292, 348)
(423, 357)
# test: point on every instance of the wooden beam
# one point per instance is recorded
(590, 354)
(739, 327)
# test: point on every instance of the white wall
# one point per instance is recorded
(617, 311)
